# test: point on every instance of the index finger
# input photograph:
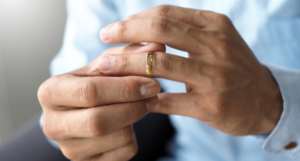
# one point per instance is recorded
(156, 29)
(197, 18)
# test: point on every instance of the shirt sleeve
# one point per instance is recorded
(285, 138)
(81, 43)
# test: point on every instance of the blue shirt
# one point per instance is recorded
(270, 27)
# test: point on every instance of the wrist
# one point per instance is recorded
(273, 106)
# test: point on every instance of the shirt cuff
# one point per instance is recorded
(285, 138)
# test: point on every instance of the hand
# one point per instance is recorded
(89, 114)
(227, 87)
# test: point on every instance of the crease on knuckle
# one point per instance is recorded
(218, 76)
(162, 10)
(224, 45)
(160, 26)
(49, 130)
(208, 16)
(121, 29)
(163, 63)
(96, 125)
(126, 91)
(218, 104)
(168, 106)
(88, 93)
(125, 136)
(124, 62)
(137, 112)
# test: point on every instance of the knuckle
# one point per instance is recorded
(121, 28)
(49, 129)
(126, 135)
(215, 105)
(162, 63)
(124, 62)
(223, 45)
(222, 19)
(207, 15)
(126, 90)
(222, 79)
(218, 77)
(88, 93)
(132, 150)
(69, 153)
(162, 10)
(218, 105)
(44, 92)
(160, 26)
(138, 112)
(96, 125)
(224, 42)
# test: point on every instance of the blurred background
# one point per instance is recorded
(31, 33)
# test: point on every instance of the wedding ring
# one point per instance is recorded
(149, 60)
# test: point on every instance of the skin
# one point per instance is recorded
(89, 112)
(227, 87)
(90, 115)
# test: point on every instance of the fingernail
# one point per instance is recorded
(104, 63)
(105, 33)
(151, 103)
(149, 89)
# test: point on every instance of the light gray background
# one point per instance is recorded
(31, 34)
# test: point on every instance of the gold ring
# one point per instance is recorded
(149, 60)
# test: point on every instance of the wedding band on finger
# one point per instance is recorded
(149, 60)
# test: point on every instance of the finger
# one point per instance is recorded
(155, 29)
(184, 104)
(124, 153)
(163, 66)
(94, 122)
(72, 91)
(81, 149)
(92, 69)
(136, 48)
(197, 18)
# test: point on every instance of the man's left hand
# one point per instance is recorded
(227, 87)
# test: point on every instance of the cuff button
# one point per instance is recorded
(291, 145)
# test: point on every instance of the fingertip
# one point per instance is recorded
(105, 63)
(150, 88)
(105, 33)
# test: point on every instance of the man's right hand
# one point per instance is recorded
(90, 115)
